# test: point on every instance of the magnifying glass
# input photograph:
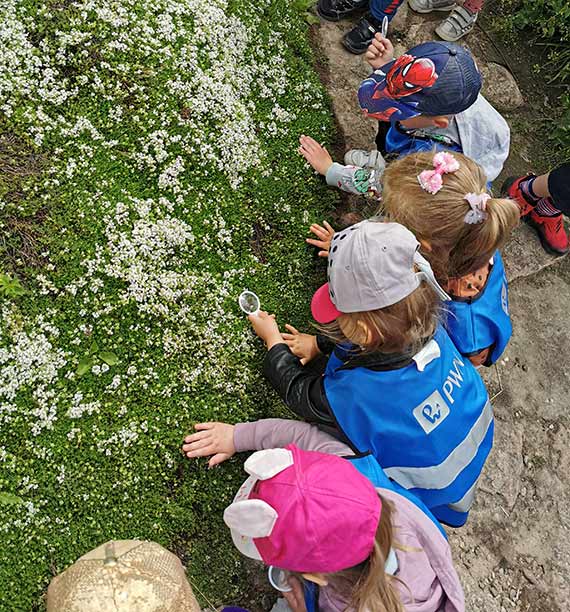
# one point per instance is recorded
(249, 303)
(278, 579)
(384, 26)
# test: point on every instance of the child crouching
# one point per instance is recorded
(461, 229)
(394, 385)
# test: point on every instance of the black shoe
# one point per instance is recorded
(360, 37)
(334, 10)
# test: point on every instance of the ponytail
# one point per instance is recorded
(453, 247)
(370, 588)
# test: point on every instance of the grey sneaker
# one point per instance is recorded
(428, 6)
(365, 159)
(458, 24)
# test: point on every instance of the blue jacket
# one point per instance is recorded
(429, 424)
(482, 321)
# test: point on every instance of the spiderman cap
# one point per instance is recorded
(434, 78)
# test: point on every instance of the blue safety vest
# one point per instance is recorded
(369, 467)
(431, 430)
(482, 321)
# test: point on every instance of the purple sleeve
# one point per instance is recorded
(277, 433)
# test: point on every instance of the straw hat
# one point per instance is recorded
(123, 576)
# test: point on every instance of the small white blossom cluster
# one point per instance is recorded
(160, 124)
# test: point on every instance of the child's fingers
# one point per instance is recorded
(320, 244)
(201, 435)
(304, 361)
(319, 231)
(289, 338)
(323, 253)
(197, 450)
(329, 227)
(217, 459)
(201, 426)
(291, 328)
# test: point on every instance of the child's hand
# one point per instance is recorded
(324, 235)
(215, 439)
(315, 154)
(295, 598)
(303, 346)
(265, 326)
(380, 52)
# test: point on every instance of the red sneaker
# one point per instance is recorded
(550, 231)
(511, 189)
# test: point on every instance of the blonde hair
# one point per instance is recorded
(367, 586)
(457, 248)
(401, 327)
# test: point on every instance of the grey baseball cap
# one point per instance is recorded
(371, 265)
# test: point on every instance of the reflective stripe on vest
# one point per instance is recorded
(442, 475)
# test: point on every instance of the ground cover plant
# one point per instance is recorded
(147, 176)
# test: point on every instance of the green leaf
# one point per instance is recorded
(10, 286)
(94, 347)
(84, 365)
(311, 19)
(109, 357)
(9, 498)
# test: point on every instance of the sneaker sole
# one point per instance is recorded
(545, 245)
(442, 9)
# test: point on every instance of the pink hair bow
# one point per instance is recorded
(478, 204)
(431, 180)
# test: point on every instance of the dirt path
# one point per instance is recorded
(514, 555)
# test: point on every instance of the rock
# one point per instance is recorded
(399, 22)
(345, 71)
(500, 87)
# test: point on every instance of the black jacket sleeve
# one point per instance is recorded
(302, 391)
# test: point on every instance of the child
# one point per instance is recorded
(314, 514)
(542, 200)
(394, 384)
(428, 99)
(430, 96)
(460, 22)
(461, 229)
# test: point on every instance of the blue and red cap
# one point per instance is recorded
(434, 78)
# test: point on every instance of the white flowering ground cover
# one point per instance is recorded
(148, 174)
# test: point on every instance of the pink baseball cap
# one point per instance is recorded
(304, 511)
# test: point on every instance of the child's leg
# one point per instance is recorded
(558, 186)
(541, 200)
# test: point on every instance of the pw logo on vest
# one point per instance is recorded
(434, 409)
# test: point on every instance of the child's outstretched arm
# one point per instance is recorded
(352, 179)
(220, 441)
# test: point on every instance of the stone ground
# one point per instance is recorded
(514, 554)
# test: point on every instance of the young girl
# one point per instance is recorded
(395, 385)
(314, 514)
(443, 200)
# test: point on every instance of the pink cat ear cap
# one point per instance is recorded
(304, 511)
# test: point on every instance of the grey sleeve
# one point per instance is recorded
(277, 433)
(353, 179)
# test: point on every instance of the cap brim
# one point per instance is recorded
(245, 544)
(324, 311)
